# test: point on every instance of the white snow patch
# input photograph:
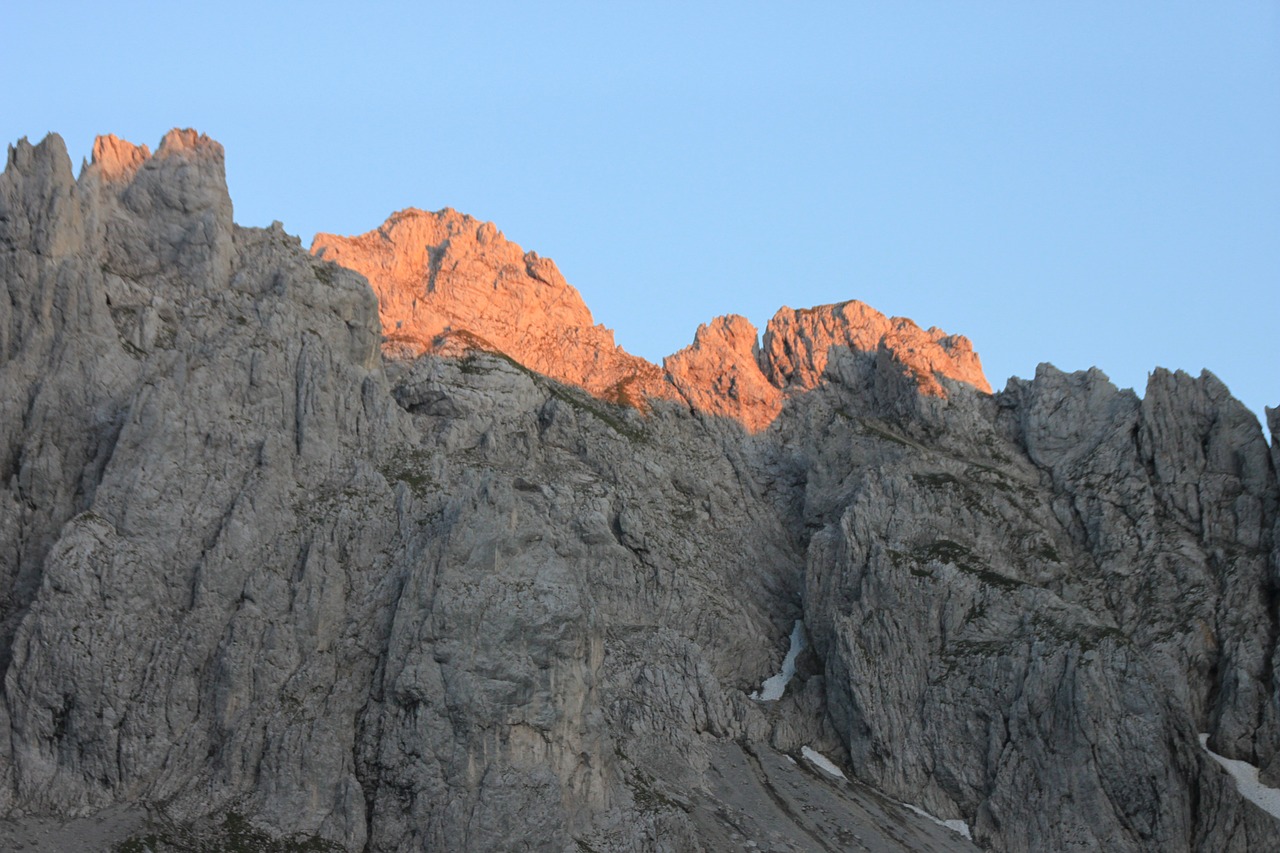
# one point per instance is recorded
(1246, 776)
(826, 765)
(817, 759)
(955, 825)
(773, 687)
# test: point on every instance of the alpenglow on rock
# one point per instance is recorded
(394, 549)
(448, 284)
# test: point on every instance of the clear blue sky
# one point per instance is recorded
(1085, 183)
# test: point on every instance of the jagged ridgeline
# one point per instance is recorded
(388, 547)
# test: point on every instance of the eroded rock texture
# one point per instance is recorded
(463, 575)
(449, 284)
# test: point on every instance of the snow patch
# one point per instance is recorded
(956, 825)
(774, 686)
(826, 765)
(1246, 776)
(817, 759)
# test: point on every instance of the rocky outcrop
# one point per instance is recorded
(271, 572)
(797, 346)
(719, 373)
(177, 392)
(448, 284)
(1019, 628)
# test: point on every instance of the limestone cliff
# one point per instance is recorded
(448, 284)
(275, 567)
(719, 373)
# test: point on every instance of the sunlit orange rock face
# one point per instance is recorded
(797, 344)
(447, 284)
(719, 373)
(117, 159)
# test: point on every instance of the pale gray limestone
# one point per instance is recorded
(250, 569)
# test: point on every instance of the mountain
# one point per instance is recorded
(389, 547)
(447, 284)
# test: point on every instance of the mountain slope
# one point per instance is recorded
(447, 284)
(501, 585)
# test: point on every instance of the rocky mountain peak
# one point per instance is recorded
(186, 139)
(116, 159)
(448, 283)
(798, 345)
(719, 373)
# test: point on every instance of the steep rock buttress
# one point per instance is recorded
(447, 283)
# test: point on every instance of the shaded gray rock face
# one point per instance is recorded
(250, 569)
(1030, 605)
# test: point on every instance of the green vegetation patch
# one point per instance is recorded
(621, 395)
(872, 428)
(323, 272)
(234, 835)
(412, 466)
(935, 480)
(1086, 637)
(1048, 553)
(952, 553)
(585, 403)
(650, 800)
(944, 551)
